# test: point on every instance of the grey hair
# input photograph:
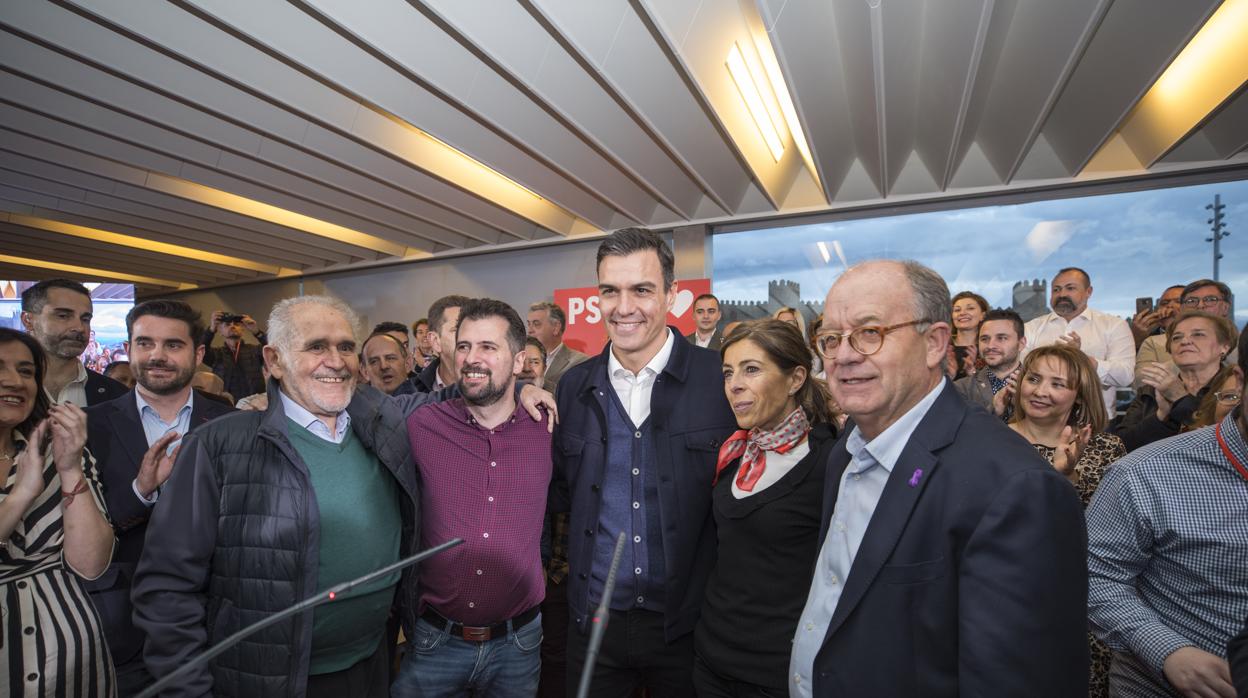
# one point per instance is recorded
(931, 293)
(281, 318)
(555, 312)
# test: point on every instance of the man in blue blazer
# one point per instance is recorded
(953, 557)
(639, 431)
(131, 438)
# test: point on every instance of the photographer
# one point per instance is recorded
(236, 362)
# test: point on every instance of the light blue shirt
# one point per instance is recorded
(312, 423)
(861, 487)
(154, 427)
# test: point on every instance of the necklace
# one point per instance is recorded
(1230, 455)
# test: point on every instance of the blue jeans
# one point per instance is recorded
(437, 664)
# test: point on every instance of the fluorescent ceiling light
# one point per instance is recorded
(92, 272)
(750, 87)
(1207, 72)
(138, 243)
(785, 102)
(273, 214)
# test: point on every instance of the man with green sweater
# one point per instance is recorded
(263, 509)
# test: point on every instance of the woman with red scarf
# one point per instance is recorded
(767, 501)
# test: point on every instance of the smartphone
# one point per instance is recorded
(1143, 305)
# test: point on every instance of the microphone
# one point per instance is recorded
(598, 624)
(313, 601)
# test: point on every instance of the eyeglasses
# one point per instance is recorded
(1228, 397)
(864, 340)
(1194, 302)
(1169, 301)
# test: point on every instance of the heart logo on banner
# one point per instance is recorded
(684, 299)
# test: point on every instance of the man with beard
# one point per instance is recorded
(133, 439)
(57, 313)
(534, 361)
(1001, 341)
(1105, 339)
(263, 509)
(484, 470)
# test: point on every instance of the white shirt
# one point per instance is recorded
(861, 487)
(634, 389)
(778, 465)
(74, 391)
(1104, 337)
(697, 339)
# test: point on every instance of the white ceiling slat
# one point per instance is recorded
(342, 62)
(1042, 47)
(473, 217)
(954, 37)
(603, 114)
(1132, 46)
(56, 248)
(524, 53)
(111, 193)
(1227, 130)
(809, 52)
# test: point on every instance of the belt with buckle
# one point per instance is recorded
(477, 633)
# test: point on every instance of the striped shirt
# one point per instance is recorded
(51, 642)
(1168, 555)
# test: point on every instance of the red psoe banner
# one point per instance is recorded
(587, 329)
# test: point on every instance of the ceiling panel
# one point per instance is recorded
(319, 135)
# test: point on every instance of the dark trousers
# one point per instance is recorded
(712, 685)
(554, 682)
(367, 678)
(132, 678)
(634, 654)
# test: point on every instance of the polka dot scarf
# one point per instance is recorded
(752, 446)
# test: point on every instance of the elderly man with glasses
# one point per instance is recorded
(945, 538)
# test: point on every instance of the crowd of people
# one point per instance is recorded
(915, 495)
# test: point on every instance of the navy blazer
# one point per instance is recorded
(116, 439)
(972, 577)
(100, 388)
(691, 418)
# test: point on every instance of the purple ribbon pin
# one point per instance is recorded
(914, 479)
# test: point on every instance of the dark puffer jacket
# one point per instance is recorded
(235, 537)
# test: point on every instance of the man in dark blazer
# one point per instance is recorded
(57, 313)
(635, 449)
(130, 438)
(952, 560)
(706, 318)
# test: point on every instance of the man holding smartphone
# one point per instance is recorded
(237, 362)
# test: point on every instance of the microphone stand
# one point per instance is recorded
(313, 601)
(598, 624)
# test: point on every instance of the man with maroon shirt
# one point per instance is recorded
(485, 468)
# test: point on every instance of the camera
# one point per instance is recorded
(231, 318)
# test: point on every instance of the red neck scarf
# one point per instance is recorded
(752, 446)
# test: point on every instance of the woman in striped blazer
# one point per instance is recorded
(53, 531)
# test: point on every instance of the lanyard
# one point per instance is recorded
(1226, 451)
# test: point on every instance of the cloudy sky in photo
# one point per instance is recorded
(1133, 244)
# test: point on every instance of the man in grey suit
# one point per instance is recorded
(547, 322)
(706, 315)
(1001, 342)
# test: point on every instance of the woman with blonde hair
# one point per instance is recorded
(1058, 408)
